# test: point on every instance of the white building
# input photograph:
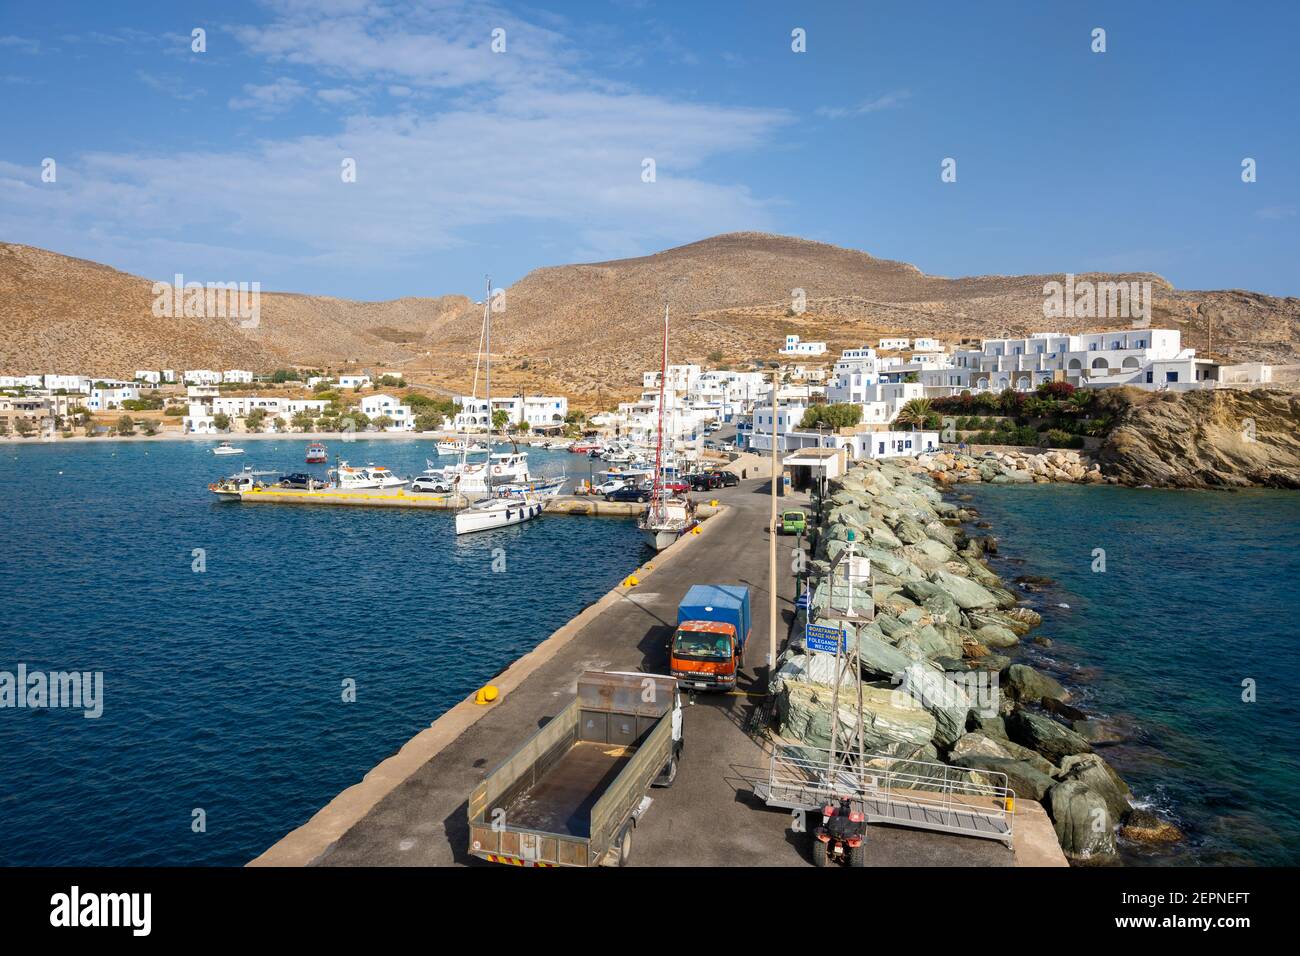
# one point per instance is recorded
(202, 376)
(353, 381)
(238, 376)
(922, 344)
(68, 383)
(169, 375)
(794, 347)
(893, 345)
(239, 406)
(20, 381)
(110, 395)
(539, 411)
(152, 376)
(376, 406)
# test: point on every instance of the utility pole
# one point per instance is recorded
(771, 553)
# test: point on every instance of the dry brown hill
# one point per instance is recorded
(587, 330)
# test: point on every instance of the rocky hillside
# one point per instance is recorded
(587, 331)
(1222, 438)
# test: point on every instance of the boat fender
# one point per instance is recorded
(631, 581)
(486, 694)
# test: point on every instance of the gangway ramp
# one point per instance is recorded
(893, 790)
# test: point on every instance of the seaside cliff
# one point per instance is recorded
(944, 624)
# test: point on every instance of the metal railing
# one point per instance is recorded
(896, 790)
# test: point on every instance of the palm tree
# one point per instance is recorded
(914, 413)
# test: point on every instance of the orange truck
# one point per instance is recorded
(708, 647)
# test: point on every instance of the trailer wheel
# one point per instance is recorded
(625, 847)
(669, 775)
(820, 853)
(858, 855)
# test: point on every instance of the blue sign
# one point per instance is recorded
(819, 637)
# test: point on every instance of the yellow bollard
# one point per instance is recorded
(1011, 804)
(486, 694)
(695, 530)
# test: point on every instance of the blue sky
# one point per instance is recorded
(225, 165)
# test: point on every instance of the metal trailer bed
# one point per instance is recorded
(572, 793)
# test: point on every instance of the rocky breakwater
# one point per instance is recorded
(1009, 467)
(939, 684)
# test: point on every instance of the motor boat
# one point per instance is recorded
(316, 454)
(349, 478)
(225, 448)
(539, 487)
(458, 447)
(233, 486)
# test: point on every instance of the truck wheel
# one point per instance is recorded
(669, 775)
(858, 855)
(820, 851)
(625, 847)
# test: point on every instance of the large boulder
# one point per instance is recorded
(1043, 734)
(1097, 775)
(996, 636)
(1024, 683)
(1082, 821)
(804, 714)
(879, 658)
(965, 592)
(977, 744)
(941, 698)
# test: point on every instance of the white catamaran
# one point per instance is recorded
(669, 516)
(491, 512)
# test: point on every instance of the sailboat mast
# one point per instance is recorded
(487, 382)
(657, 492)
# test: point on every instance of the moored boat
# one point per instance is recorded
(225, 448)
(231, 487)
(346, 477)
(668, 517)
(316, 454)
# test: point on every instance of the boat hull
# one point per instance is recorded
(503, 513)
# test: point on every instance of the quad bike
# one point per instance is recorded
(842, 835)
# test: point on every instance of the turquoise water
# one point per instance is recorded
(223, 689)
(1201, 591)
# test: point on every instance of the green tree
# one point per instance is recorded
(150, 427)
(126, 425)
(499, 419)
(839, 415)
(279, 423)
(383, 423)
(23, 427)
(281, 375)
(253, 420)
(222, 421)
(302, 421)
(914, 413)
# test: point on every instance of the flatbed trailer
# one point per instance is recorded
(572, 794)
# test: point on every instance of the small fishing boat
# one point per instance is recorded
(539, 488)
(232, 486)
(316, 454)
(225, 448)
(458, 447)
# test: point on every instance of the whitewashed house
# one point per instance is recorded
(376, 406)
(237, 376)
(795, 347)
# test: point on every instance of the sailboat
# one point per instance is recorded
(491, 512)
(669, 516)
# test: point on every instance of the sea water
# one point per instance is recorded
(1183, 625)
(255, 659)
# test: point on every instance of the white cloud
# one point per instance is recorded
(888, 101)
(269, 98)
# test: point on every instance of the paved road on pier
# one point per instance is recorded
(710, 817)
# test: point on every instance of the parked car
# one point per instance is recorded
(677, 486)
(729, 479)
(629, 493)
(605, 487)
(430, 484)
(298, 479)
(793, 522)
(705, 481)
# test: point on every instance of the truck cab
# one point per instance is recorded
(707, 648)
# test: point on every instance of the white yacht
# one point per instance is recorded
(231, 487)
(349, 478)
(225, 448)
(458, 447)
(669, 516)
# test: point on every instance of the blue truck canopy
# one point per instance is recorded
(728, 603)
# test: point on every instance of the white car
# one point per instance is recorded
(605, 487)
(431, 484)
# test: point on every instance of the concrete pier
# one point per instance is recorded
(410, 810)
(402, 498)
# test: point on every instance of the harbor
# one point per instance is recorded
(412, 808)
